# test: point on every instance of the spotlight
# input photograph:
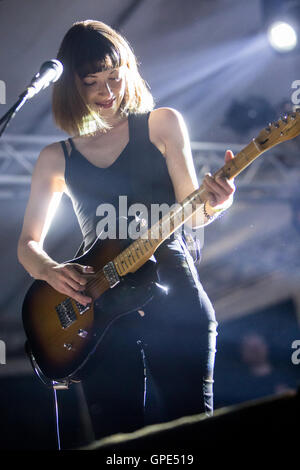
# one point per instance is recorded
(282, 36)
(282, 21)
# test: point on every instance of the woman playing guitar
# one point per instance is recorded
(102, 101)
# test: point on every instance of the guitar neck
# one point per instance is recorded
(241, 160)
(139, 251)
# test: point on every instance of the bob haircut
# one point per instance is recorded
(90, 47)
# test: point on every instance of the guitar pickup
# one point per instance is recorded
(82, 308)
(66, 313)
(111, 274)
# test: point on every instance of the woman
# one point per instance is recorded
(103, 102)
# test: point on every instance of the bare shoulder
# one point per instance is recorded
(165, 119)
(165, 114)
(166, 124)
(167, 128)
(51, 164)
(51, 157)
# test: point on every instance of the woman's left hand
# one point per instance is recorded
(220, 190)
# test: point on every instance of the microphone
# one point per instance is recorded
(50, 72)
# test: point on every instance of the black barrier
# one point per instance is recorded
(268, 424)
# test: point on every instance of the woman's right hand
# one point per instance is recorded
(70, 279)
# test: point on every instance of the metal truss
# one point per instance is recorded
(275, 172)
(18, 154)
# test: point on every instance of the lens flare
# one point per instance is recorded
(282, 36)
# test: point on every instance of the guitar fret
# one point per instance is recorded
(121, 267)
(118, 267)
(147, 241)
(137, 251)
(123, 260)
(128, 256)
(144, 245)
(131, 254)
(139, 245)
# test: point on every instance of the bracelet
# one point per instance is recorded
(207, 215)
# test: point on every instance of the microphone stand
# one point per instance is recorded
(13, 110)
(40, 81)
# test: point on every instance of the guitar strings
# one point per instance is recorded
(101, 281)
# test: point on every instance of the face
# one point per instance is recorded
(104, 91)
(254, 349)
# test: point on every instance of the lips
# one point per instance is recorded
(106, 104)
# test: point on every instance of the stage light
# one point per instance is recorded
(281, 20)
(282, 36)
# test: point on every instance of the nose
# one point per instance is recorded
(104, 90)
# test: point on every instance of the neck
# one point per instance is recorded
(112, 122)
(115, 120)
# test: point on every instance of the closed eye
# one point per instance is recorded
(89, 84)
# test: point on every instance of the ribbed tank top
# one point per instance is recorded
(140, 173)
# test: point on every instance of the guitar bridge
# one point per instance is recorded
(111, 274)
(66, 313)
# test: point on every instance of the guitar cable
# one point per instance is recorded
(56, 417)
(140, 344)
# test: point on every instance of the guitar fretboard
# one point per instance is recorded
(139, 251)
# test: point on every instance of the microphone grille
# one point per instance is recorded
(55, 65)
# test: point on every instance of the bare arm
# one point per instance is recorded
(47, 179)
(168, 131)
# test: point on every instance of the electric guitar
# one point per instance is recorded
(63, 334)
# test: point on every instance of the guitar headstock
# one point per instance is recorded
(286, 128)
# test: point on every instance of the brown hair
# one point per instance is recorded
(90, 47)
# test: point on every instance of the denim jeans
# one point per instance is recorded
(179, 334)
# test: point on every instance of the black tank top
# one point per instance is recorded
(140, 173)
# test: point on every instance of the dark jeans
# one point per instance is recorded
(174, 342)
(179, 334)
